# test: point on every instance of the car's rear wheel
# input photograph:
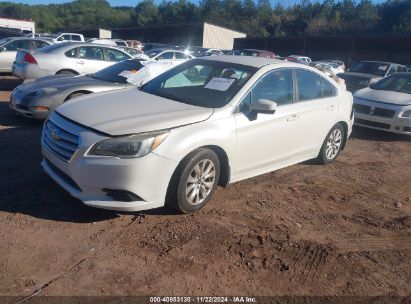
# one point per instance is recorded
(332, 145)
(198, 179)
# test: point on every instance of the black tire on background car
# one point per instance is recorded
(195, 181)
(332, 145)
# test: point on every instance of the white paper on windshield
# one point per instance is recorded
(219, 84)
(126, 74)
(382, 67)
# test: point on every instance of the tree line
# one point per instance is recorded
(258, 18)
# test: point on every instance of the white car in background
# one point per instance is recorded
(209, 121)
(66, 58)
(385, 105)
(9, 47)
(167, 55)
(66, 37)
(333, 67)
(299, 59)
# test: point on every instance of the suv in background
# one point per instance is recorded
(364, 73)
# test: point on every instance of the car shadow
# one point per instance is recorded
(24, 187)
(363, 133)
(8, 82)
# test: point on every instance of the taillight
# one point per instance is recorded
(29, 58)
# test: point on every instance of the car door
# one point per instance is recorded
(266, 140)
(316, 110)
(91, 59)
(9, 51)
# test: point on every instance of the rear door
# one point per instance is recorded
(317, 109)
(91, 59)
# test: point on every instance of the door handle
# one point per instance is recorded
(331, 108)
(293, 117)
(80, 62)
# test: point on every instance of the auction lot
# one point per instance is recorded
(341, 229)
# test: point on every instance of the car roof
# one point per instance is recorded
(253, 61)
(257, 50)
(80, 43)
(376, 61)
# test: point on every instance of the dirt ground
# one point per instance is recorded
(341, 229)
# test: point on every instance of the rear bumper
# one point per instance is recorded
(28, 71)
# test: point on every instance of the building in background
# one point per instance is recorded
(24, 26)
(196, 34)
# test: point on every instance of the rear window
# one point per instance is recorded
(75, 38)
(53, 47)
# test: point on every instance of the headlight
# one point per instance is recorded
(406, 113)
(129, 146)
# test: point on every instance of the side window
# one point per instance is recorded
(91, 53)
(392, 70)
(114, 55)
(244, 105)
(66, 37)
(166, 55)
(28, 45)
(309, 85)
(40, 44)
(75, 38)
(276, 86)
(401, 68)
(181, 55)
(61, 38)
(14, 45)
(328, 89)
(71, 53)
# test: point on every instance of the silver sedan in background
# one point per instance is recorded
(39, 98)
(66, 58)
(9, 47)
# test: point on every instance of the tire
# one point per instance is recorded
(196, 180)
(71, 96)
(332, 145)
(66, 72)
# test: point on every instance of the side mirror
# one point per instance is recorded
(2, 49)
(264, 106)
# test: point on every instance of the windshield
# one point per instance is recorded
(153, 52)
(126, 68)
(397, 83)
(199, 82)
(367, 67)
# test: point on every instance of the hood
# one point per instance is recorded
(358, 76)
(60, 82)
(396, 98)
(131, 111)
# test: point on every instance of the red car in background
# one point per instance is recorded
(257, 53)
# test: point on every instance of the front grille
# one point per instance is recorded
(359, 108)
(22, 107)
(384, 112)
(372, 123)
(59, 141)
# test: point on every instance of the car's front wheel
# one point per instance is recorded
(198, 179)
(332, 145)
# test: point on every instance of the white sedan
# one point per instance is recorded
(167, 55)
(385, 105)
(209, 121)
